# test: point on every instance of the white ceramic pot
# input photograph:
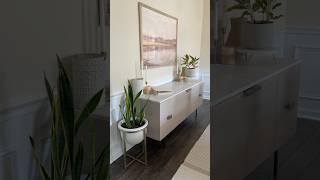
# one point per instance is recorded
(133, 136)
(257, 36)
(191, 72)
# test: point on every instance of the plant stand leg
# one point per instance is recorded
(145, 146)
(196, 114)
(124, 150)
(275, 165)
(137, 157)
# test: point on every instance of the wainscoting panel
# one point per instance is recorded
(205, 77)
(304, 44)
(16, 125)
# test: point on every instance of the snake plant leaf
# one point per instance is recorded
(67, 109)
(102, 165)
(137, 96)
(55, 156)
(49, 90)
(88, 109)
(64, 162)
(78, 162)
(43, 172)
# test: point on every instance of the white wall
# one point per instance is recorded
(31, 34)
(125, 52)
(303, 13)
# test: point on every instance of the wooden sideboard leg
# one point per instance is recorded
(275, 165)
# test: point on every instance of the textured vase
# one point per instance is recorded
(257, 36)
(88, 74)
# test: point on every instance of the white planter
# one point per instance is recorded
(257, 36)
(133, 136)
(191, 72)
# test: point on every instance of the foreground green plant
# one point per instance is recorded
(252, 10)
(66, 159)
(190, 62)
(132, 117)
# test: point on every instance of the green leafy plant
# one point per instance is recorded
(257, 8)
(190, 62)
(66, 159)
(133, 118)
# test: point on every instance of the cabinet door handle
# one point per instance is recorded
(289, 106)
(169, 117)
(252, 90)
(188, 90)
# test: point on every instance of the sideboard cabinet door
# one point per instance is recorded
(230, 131)
(287, 105)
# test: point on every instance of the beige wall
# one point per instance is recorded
(205, 42)
(124, 38)
(304, 13)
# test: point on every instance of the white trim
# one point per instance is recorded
(310, 97)
(294, 30)
(206, 95)
(309, 114)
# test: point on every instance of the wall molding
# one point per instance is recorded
(300, 30)
(303, 43)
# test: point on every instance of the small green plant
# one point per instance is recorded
(257, 8)
(66, 158)
(133, 118)
(190, 62)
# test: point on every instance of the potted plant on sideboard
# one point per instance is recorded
(133, 122)
(190, 65)
(257, 27)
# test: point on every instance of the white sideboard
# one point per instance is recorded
(166, 111)
(254, 114)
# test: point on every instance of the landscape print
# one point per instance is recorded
(158, 33)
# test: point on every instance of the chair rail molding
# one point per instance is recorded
(303, 43)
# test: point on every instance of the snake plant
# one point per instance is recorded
(66, 155)
(133, 118)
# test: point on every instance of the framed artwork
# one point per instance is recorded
(158, 37)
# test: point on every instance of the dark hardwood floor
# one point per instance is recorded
(299, 159)
(165, 158)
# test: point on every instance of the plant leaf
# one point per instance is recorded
(79, 162)
(43, 172)
(49, 90)
(89, 108)
(67, 109)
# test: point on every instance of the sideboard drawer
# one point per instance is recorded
(172, 112)
(195, 97)
(166, 111)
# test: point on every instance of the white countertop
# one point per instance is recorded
(229, 80)
(175, 87)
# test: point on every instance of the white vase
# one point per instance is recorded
(137, 85)
(88, 75)
(133, 136)
(191, 72)
(257, 36)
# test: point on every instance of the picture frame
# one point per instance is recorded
(158, 34)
